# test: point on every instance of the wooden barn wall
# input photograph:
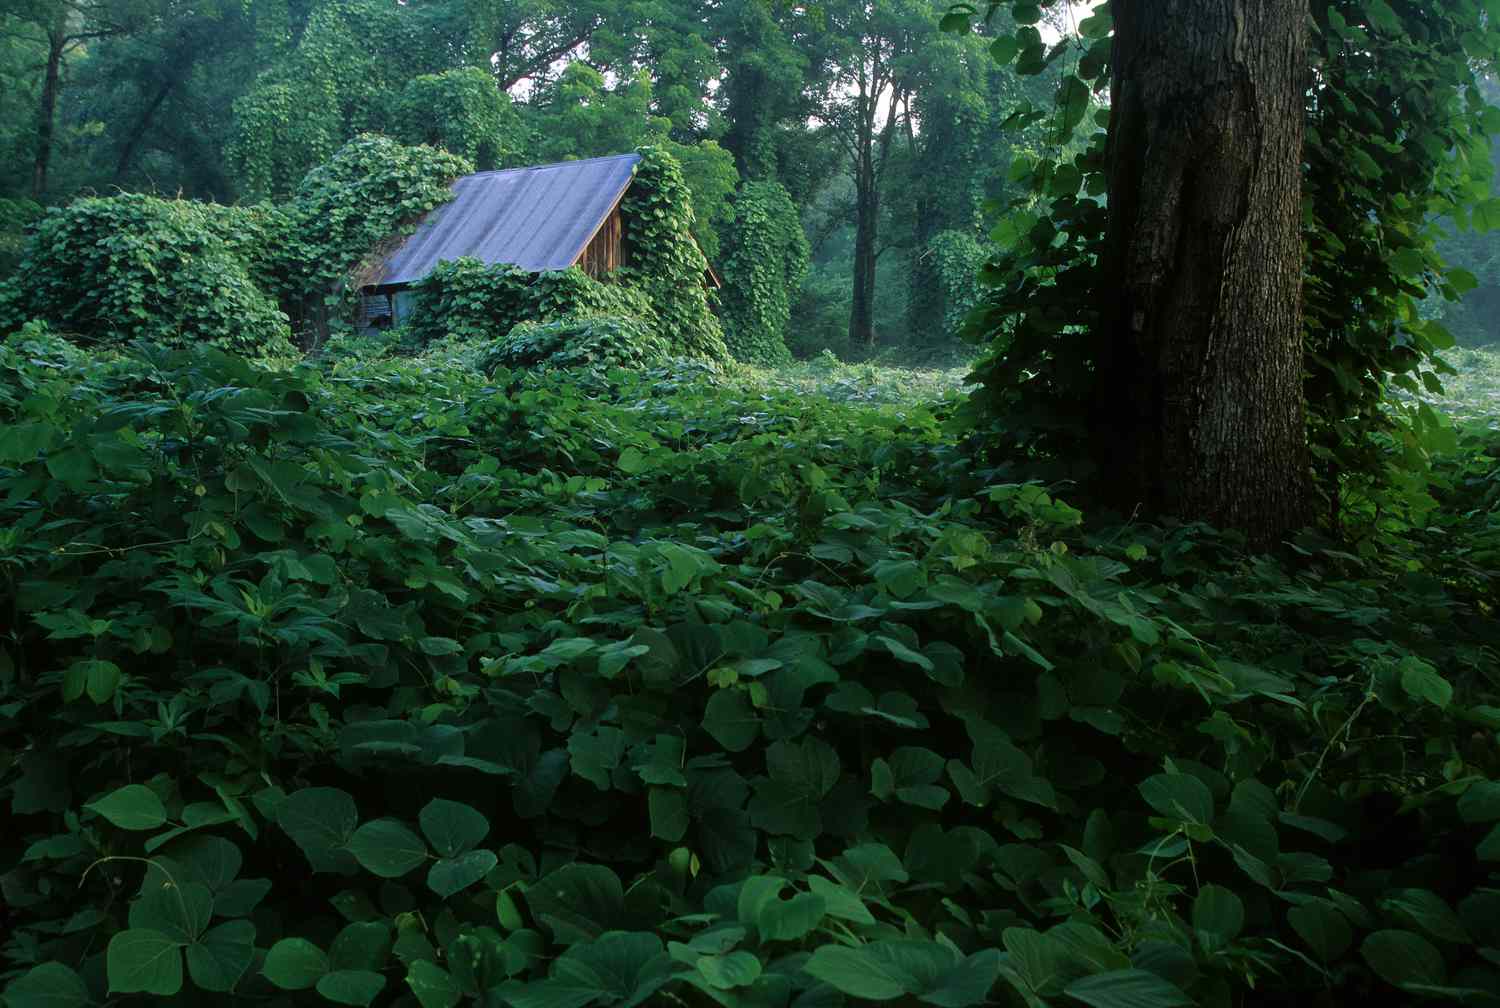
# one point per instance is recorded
(607, 251)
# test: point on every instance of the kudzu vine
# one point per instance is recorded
(664, 261)
(766, 264)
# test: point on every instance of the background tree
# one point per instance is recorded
(61, 27)
(871, 79)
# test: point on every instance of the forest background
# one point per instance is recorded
(889, 137)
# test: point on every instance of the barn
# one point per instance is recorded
(539, 218)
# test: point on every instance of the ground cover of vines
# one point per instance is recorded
(384, 680)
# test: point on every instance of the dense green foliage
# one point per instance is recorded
(460, 111)
(469, 301)
(578, 341)
(346, 211)
(120, 268)
(664, 261)
(953, 261)
(388, 684)
(768, 262)
(534, 654)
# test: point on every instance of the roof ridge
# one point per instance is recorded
(555, 164)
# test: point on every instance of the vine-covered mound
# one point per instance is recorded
(127, 267)
(387, 685)
(371, 192)
(120, 268)
(468, 301)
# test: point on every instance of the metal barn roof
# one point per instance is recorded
(538, 218)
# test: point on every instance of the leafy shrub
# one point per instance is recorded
(389, 684)
(371, 192)
(466, 299)
(577, 341)
(460, 111)
(326, 82)
(768, 262)
(174, 272)
(470, 301)
(280, 128)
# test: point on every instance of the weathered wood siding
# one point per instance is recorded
(607, 251)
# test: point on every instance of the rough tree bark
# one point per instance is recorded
(1200, 408)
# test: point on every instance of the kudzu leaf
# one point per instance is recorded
(731, 720)
(361, 945)
(1428, 911)
(450, 875)
(621, 966)
(432, 985)
(849, 971)
(790, 920)
(1043, 962)
(351, 987)
(578, 902)
(632, 461)
(210, 860)
(883, 970)
(320, 820)
(1127, 988)
(724, 972)
(132, 807)
(180, 911)
(222, 955)
(1179, 796)
(294, 964)
(1401, 957)
(904, 653)
(386, 847)
(668, 809)
(451, 827)
(967, 983)
(1219, 912)
(141, 961)
(1422, 681)
(50, 985)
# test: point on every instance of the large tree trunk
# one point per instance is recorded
(1199, 412)
(46, 116)
(866, 220)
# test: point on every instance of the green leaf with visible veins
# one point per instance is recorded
(140, 961)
